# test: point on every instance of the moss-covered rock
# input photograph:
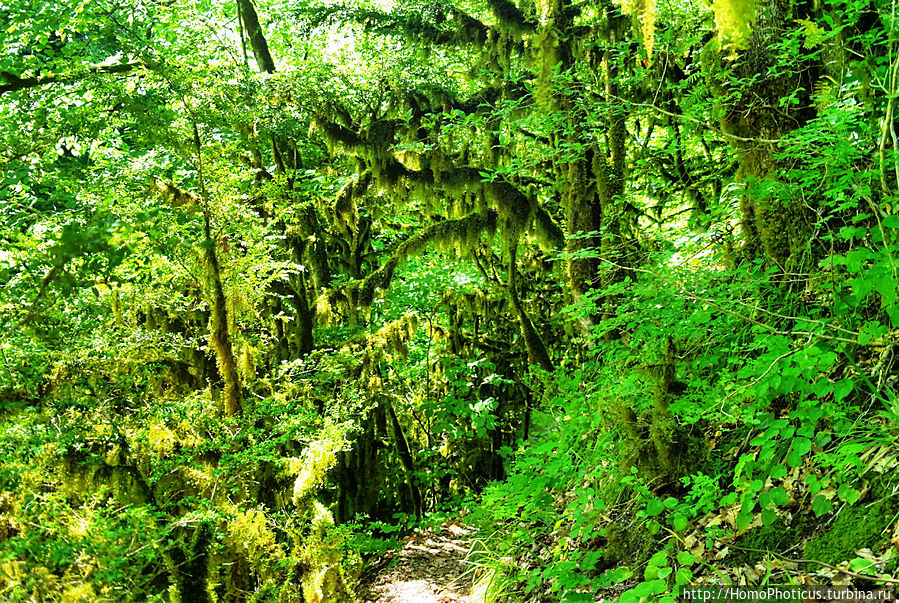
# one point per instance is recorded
(856, 527)
(777, 538)
(626, 546)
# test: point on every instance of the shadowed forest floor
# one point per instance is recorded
(430, 568)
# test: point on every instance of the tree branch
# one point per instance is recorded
(15, 83)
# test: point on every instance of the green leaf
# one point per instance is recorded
(806, 431)
(744, 518)
(778, 496)
(848, 493)
(777, 472)
(842, 388)
(650, 587)
(620, 574)
(768, 517)
(821, 505)
(679, 522)
(685, 558)
(802, 445)
(822, 438)
(861, 565)
(683, 576)
(629, 596)
(794, 459)
(654, 507)
(659, 559)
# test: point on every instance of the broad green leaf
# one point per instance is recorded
(654, 507)
(849, 494)
(778, 496)
(659, 559)
(683, 576)
(685, 558)
(802, 445)
(842, 388)
(777, 472)
(821, 505)
(744, 518)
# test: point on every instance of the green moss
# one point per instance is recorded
(777, 537)
(627, 546)
(856, 527)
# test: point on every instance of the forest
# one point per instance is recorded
(605, 288)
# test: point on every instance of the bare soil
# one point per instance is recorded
(430, 568)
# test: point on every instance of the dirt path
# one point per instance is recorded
(428, 569)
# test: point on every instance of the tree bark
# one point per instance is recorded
(402, 448)
(537, 353)
(15, 83)
(219, 335)
(258, 43)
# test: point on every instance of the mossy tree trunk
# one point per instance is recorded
(219, 327)
(405, 455)
(594, 179)
(775, 224)
(537, 353)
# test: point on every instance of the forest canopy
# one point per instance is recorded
(612, 283)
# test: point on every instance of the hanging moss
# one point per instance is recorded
(381, 135)
(175, 195)
(537, 352)
(549, 235)
(511, 18)
(645, 12)
(462, 233)
(336, 135)
(515, 209)
(468, 29)
(345, 203)
(733, 20)
(395, 336)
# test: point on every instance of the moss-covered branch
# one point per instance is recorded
(435, 24)
(462, 233)
(14, 82)
(511, 17)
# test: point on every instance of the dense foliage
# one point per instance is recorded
(615, 281)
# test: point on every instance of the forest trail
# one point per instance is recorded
(430, 568)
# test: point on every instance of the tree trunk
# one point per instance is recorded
(537, 353)
(219, 336)
(402, 448)
(258, 43)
